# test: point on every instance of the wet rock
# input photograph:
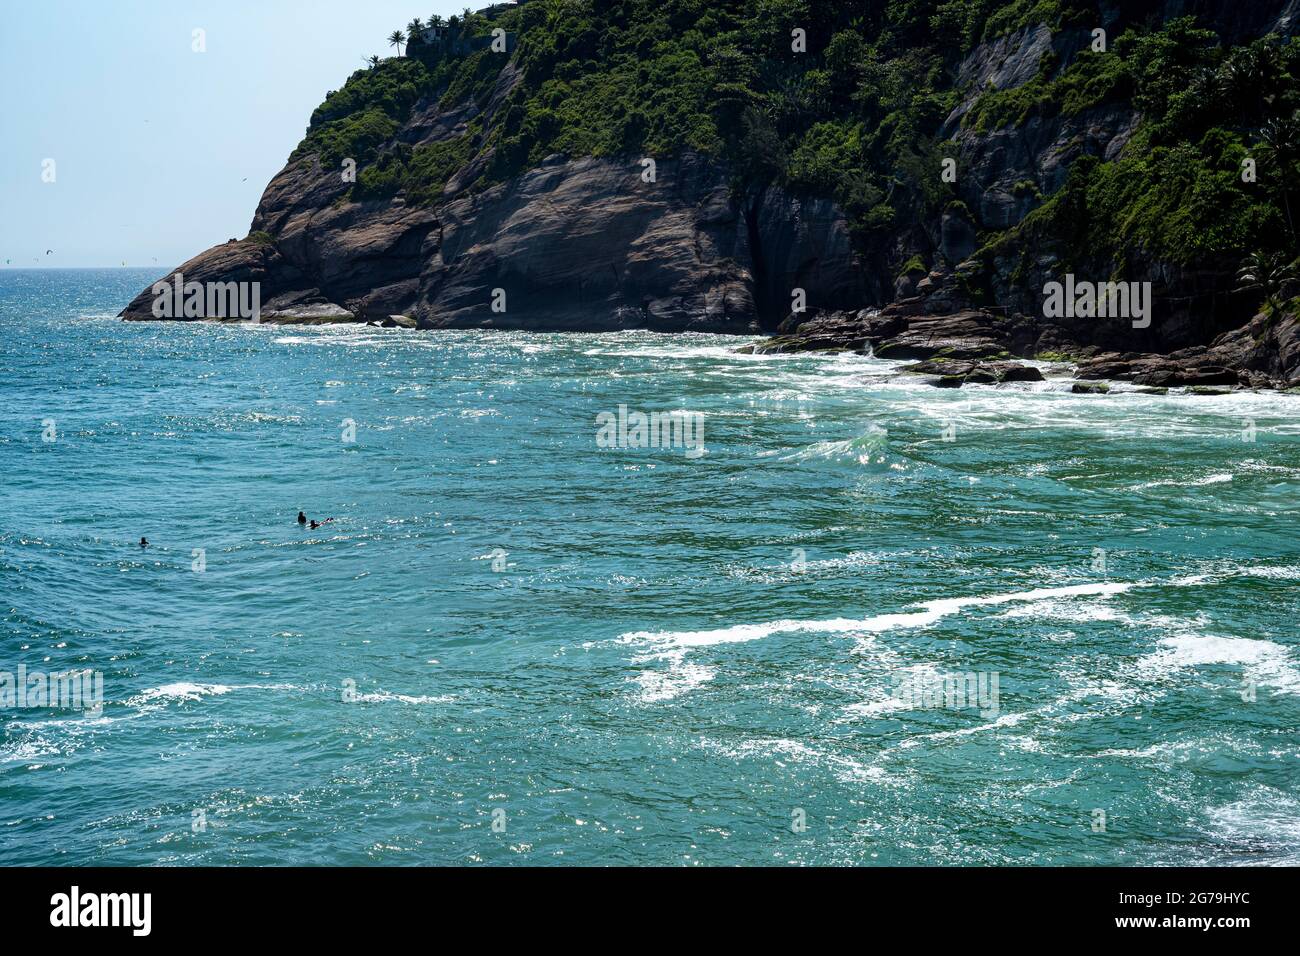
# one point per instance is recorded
(968, 334)
(975, 373)
(1158, 370)
(323, 313)
(821, 332)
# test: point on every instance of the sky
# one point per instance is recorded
(160, 151)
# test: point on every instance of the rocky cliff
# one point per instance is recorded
(575, 244)
(530, 220)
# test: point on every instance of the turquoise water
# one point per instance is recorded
(677, 660)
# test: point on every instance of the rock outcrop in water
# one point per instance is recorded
(587, 243)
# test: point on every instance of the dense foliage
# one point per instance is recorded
(1177, 192)
(861, 114)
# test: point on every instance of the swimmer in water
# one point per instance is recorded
(302, 518)
(144, 542)
(316, 524)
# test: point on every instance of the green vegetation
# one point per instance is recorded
(1093, 79)
(1178, 193)
(1269, 273)
(914, 266)
(857, 115)
(420, 172)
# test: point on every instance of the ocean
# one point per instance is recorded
(860, 621)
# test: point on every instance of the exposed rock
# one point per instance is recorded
(1016, 372)
(573, 245)
(1158, 370)
(967, 334)
(237, 261)
(1090, 388)
(324, 313)
(958, 235)
(974, 373)
(1003, 64)
(831, 332)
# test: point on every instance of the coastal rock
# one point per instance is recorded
(1262, 354)
(956, 372)
(967, 334)
(904, 330)
(821, 332)
(247, 260)
(576, 245)
(1156, 370)
(324, 313)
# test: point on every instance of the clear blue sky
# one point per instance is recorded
(162, 152)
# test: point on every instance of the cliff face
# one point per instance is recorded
(565, 241)
(575, 244)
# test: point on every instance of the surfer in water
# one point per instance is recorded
(302, 518)
(144, 542)
(316, 524)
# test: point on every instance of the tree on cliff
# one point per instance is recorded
(1268, 272)
(1280, 140)
(397, 38)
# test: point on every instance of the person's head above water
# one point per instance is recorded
(314, 524)
(144, 542)
(302, 518)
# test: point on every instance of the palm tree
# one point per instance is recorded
(1249, 71)
(372, 61)
(414, 33)
(435, 21)
(1270, 272)
(1280, 142)
(397, 38)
